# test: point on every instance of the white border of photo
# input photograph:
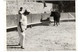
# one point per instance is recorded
(3, 28)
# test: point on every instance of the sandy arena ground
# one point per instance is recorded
(45, 38)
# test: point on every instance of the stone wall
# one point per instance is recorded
(12, 7)
(35, 9)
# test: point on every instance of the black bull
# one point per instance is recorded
(56, 17)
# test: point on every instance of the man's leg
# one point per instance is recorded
(19, 32)
(23, 37)
(22, 40)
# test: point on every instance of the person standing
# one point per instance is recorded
(20, 31)
(22, 26)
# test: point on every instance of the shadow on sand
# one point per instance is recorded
(13, 46)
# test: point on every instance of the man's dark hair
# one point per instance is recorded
(21, 8)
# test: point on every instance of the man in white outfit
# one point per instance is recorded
(22, 26)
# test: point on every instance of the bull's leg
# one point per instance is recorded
(59, 21)
(54, 23)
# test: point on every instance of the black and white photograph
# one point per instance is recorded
(40, 25)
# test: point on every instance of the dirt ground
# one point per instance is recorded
(45, 38)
